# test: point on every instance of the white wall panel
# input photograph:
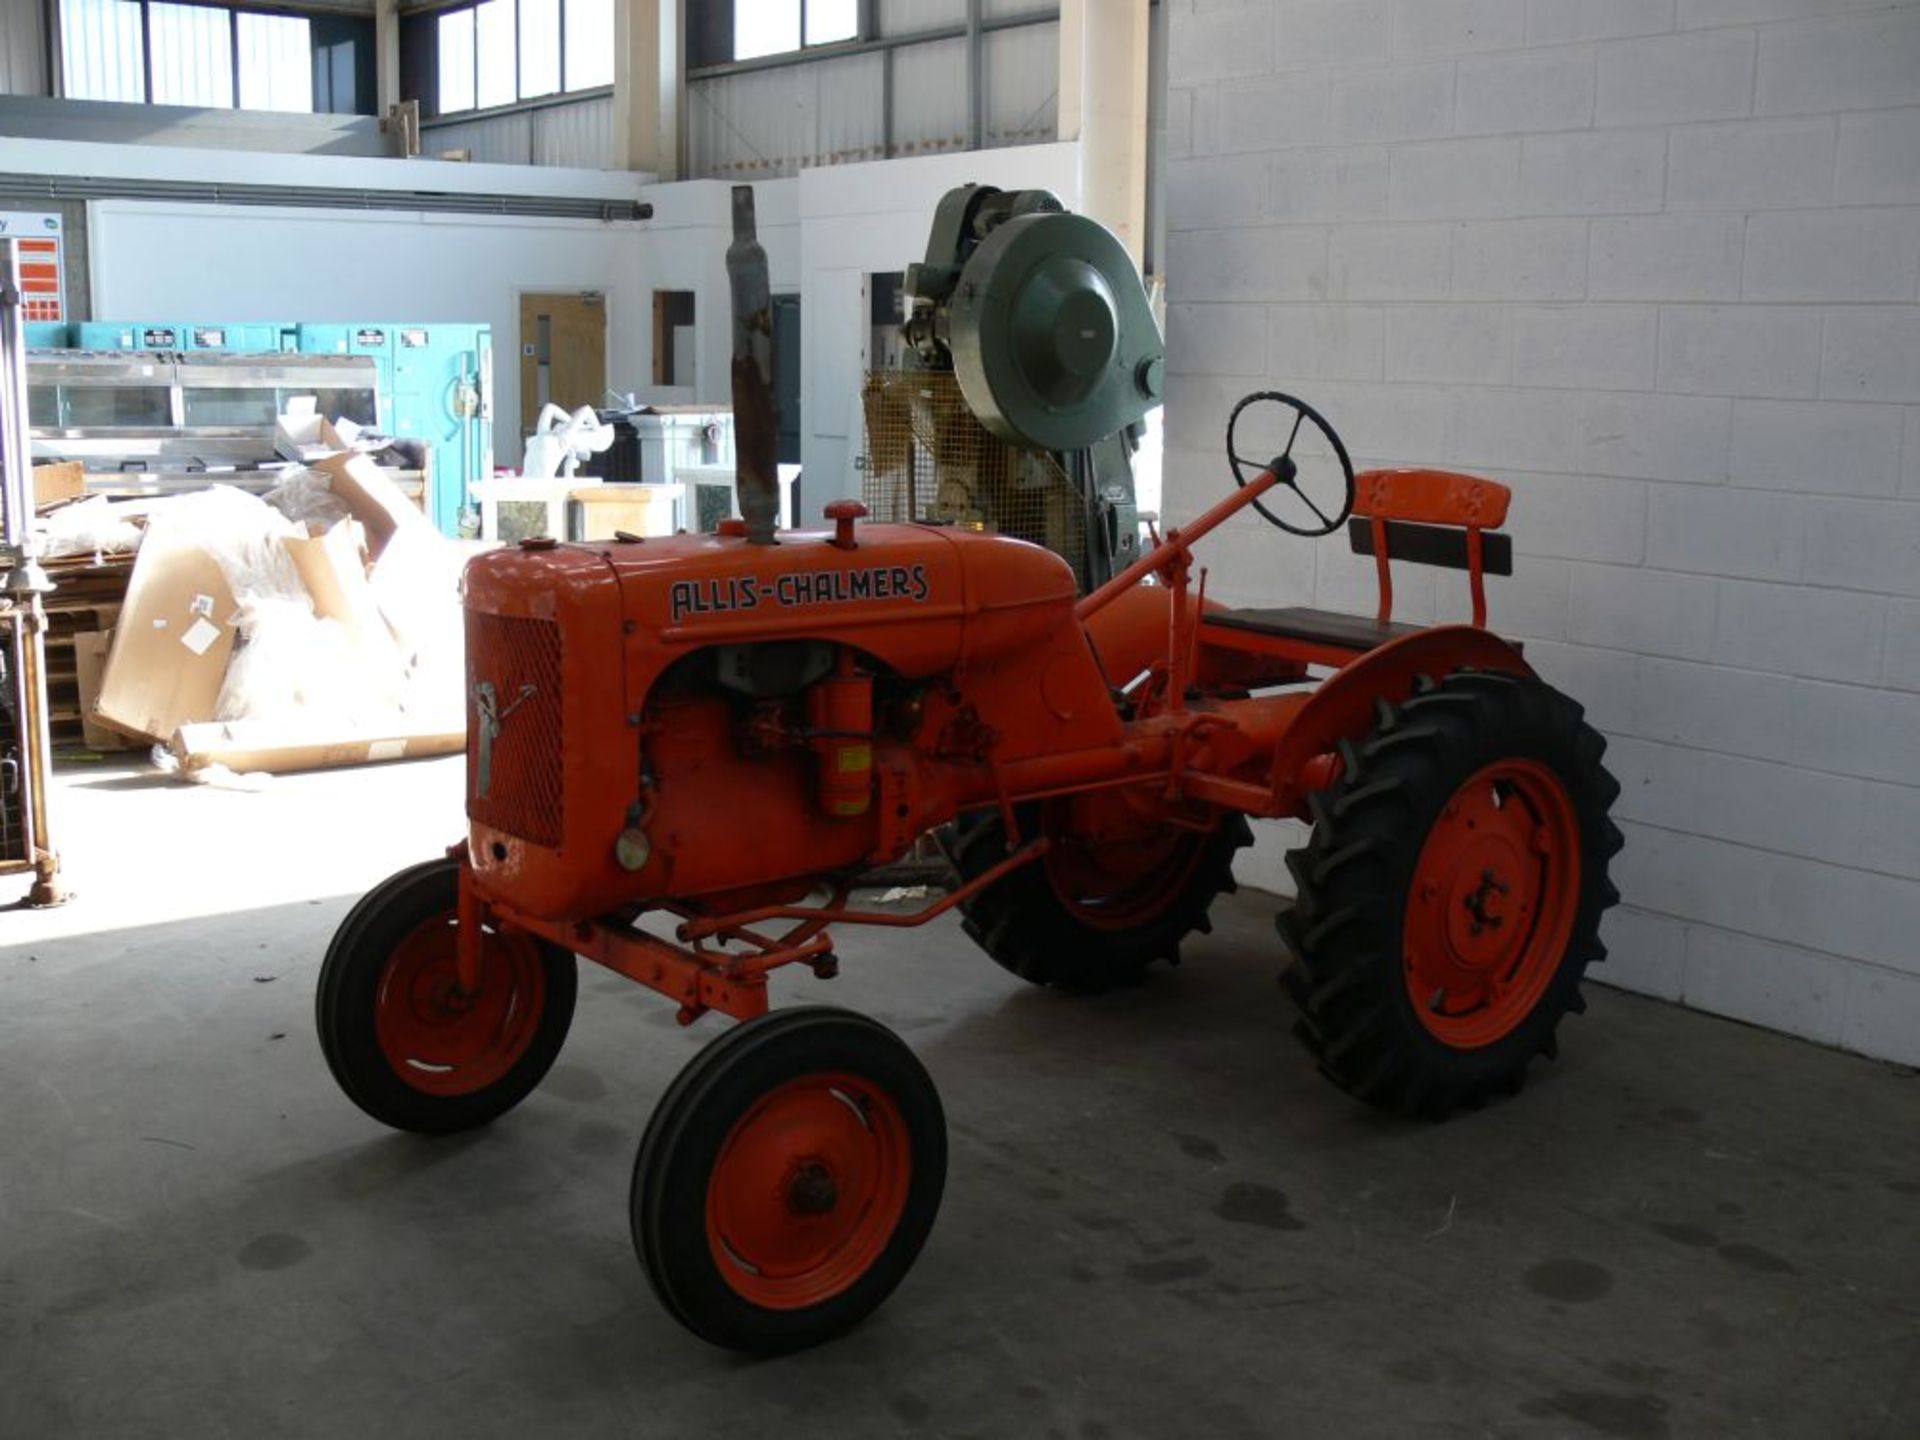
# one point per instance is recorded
(261, 263)
(496, 140)
(904, 17)
(832, 111)
(1022, 77)
(579, 135)
(777, 122)
(930, 98)
(1668, 288)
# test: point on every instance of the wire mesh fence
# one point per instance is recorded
(926, 457)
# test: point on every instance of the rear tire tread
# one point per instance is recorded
(1343, 929)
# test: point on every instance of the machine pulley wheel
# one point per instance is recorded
(1316, 476)
(405, 1042)
(788, 1179)
(1449, 899)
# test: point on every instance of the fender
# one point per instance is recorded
(1342, 708)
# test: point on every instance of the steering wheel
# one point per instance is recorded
(1326, 520)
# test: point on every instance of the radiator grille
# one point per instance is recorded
(520, 659)
(928, 458)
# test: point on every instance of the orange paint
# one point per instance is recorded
(932, 670)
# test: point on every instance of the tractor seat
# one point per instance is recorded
(1316, 627)
(1425, 517)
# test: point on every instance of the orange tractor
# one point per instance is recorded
(683, 753)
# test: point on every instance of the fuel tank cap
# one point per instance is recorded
(538, 542)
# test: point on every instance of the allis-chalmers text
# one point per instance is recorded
(805, 587)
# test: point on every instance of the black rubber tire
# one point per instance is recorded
(1345, 927)
(682, 1144)
(347, 999)
(1021, 922)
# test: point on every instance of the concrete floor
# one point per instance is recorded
(1159, 1223)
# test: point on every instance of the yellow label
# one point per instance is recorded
(854, 758)
(848, 807)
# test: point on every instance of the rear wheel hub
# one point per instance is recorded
(1493, 903)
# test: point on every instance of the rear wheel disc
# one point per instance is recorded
(1494, 896)
(1117, 863)
(1121, 886)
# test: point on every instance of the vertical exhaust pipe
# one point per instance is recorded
(756, 475)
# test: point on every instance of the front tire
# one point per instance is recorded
(402, 1040)
(1449, 899)
(788, 1179)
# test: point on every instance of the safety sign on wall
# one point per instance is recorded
(43, 293)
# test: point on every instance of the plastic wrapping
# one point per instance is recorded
(242, 533)
(288, 662)
(417, 586)
(321, 646)
(293, 665)
(93, 526)
(306, 497)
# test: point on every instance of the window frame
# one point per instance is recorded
(557, 96)
(231, 8)
(862, 30)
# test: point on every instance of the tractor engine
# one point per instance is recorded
(705, 720)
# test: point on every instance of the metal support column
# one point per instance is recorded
(976, 86)
(21, 586)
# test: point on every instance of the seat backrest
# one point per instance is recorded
(1431, 517)
(1431, 497)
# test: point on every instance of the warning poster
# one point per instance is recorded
(42, 289)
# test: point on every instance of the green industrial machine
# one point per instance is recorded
(1034, 359)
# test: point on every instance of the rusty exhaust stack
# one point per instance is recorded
(756, 478)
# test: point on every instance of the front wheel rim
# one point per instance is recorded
(808, 1189)
(442, 1040)
(1492, 905)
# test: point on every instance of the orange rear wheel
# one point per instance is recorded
(1123, 884)
(1492, 904)
(1449, 899)
(1118, 860)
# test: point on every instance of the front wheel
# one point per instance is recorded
(404, 1041)
(788, 1179)
(1449, 899)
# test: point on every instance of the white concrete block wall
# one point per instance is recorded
(1656, 264)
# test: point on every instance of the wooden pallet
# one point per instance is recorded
(86, 597)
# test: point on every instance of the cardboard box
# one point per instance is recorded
(62, 480)
(370, 496)
(333, 569)
(599, 510)
(278, 747)
(301, 433)
(176, 631)
(90, 649)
